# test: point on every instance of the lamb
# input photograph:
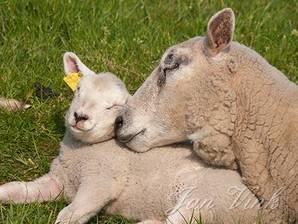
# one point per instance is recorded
(93, 171)
(238, 110)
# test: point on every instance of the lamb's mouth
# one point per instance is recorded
(80, 130)
(129, 138)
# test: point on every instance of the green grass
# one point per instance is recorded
(125, 37)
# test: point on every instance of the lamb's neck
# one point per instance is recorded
(70, 142)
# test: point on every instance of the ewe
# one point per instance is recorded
(164, 184)
(234, 106)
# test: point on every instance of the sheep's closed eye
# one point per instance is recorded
(170, 64)
(172, 67)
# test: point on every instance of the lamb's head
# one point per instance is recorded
(97, 101)
(187, 95)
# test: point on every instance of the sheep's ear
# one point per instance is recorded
(220, 30)
(72, 64)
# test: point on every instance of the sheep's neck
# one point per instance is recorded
(265, 99)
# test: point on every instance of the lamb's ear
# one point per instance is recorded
(220, 30)
(72, 64)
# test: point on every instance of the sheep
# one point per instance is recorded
(93, 171)
(238, 110)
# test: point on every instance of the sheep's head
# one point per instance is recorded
(188, 95)
(97, 101)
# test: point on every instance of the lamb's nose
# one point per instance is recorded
(80, 117)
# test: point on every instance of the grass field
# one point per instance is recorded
(124, 37)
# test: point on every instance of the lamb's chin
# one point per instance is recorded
(79, 134)
(90, 136)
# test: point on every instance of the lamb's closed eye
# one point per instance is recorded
(114, 106)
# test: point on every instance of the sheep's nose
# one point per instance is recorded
(80, 117)
(118, 125)
(118, 122)
(124, 138)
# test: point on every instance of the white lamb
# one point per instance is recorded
(163, 185)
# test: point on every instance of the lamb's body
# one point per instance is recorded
(158, 186)
(149, 186)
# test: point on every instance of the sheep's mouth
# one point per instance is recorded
(131, 137)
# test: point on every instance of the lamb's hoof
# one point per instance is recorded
(65, 216)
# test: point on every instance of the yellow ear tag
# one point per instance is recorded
(72, 80)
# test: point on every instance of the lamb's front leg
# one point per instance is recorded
(89, 200)
(45, 188)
